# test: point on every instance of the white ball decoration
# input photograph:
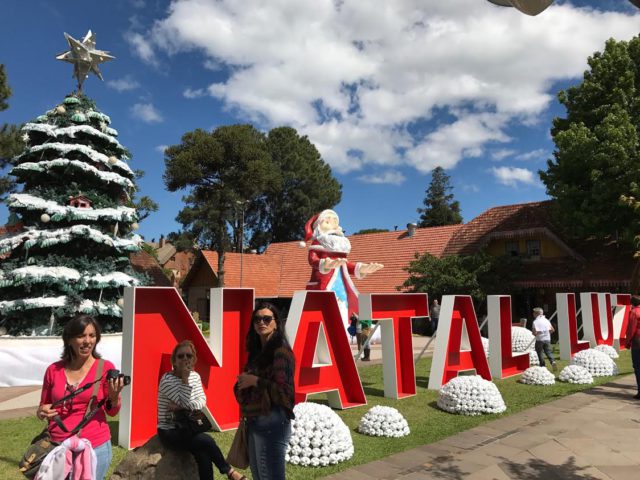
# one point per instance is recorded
(534, 361)
(597, 363)
(113, 160)
(470, 395)
(575, 374)
(522, 340)
(537, 376)
(382, 421)
(609, 350)
(120, 302)
(45, 218)
(60, 110)
(319, 437)
(135, 226)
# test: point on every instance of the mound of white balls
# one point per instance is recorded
(470, 395)
(485, 346)
(534, 361)
(522, 340)
(319, 437)
(382, 421)
(575, 374)
(537, 376)
(597, 363)
(608, 350)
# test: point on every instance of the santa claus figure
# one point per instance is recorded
(330, 269)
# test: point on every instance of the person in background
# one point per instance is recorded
(265, 392)
(365, 331)
(543, 329)
(435, 315)
(633, 339)
(78, 367)
(181, 388)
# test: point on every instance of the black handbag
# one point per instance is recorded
(192, 422)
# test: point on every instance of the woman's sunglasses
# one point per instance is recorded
(182, 356)
(266, 319)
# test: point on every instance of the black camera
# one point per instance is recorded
(114, 374)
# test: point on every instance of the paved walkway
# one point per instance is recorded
(593, 434)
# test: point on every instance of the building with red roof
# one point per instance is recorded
(550, 263)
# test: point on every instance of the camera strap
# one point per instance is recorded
(90, 412)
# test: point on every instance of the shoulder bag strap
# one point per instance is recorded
(90, 412)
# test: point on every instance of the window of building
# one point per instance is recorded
(533, 248)
(512, 249)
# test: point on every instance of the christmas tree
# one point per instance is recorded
(71, 227)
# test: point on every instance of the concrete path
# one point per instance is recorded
(593, 434)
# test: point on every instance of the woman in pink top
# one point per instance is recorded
(77, 368)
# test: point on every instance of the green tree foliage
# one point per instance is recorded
(439, 207)
(371, 230)
(222, 171)
(477, 275)
(182, 240)
(596, 159)
(240, 183)
(305, 186)
(10, 142)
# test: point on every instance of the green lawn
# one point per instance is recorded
(428, 424)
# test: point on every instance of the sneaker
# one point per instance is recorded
(366, 359)
(637, 396)
(554, 367)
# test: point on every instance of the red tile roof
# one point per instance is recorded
(260, 272)
(516, 220)
(393, 249)
(142, 262)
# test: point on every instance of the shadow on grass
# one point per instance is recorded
(536, 468)
(422, 382)
(113, 428)
(601, 391)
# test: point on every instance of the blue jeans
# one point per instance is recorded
(268, 439)
(103, 457)
(635, 359)
(544, 345)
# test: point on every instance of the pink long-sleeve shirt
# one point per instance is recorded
(54, 387)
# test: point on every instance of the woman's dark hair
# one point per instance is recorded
(635, 300)
(184, 343)
(260, 357)
(75, 327)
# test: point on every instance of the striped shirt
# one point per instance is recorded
(171, 389)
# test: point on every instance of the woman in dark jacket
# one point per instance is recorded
(265, 393)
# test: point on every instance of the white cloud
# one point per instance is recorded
(511, 176)
(538, 154)
(161, 148)
(194, 92)
(146, 112)
(501, 154)
(357, 77)
(141, 47)
(390, 177)
(123, 84)
(470, 187)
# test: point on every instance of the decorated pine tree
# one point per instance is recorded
(71, 227)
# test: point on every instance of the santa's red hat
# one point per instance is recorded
(312, 223)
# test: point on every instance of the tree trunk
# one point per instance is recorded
(221, 253)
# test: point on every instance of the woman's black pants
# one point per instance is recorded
(203, 448)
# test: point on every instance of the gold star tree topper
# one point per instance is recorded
(84, 56)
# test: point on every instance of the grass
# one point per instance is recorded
(428, 424)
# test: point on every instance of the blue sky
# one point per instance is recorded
(386, 93)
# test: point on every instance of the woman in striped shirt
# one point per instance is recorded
(265, 392)
(181, 389)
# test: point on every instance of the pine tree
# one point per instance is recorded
(439, 207)
(71, 227)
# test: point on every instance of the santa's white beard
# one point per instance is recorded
(334, 242)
